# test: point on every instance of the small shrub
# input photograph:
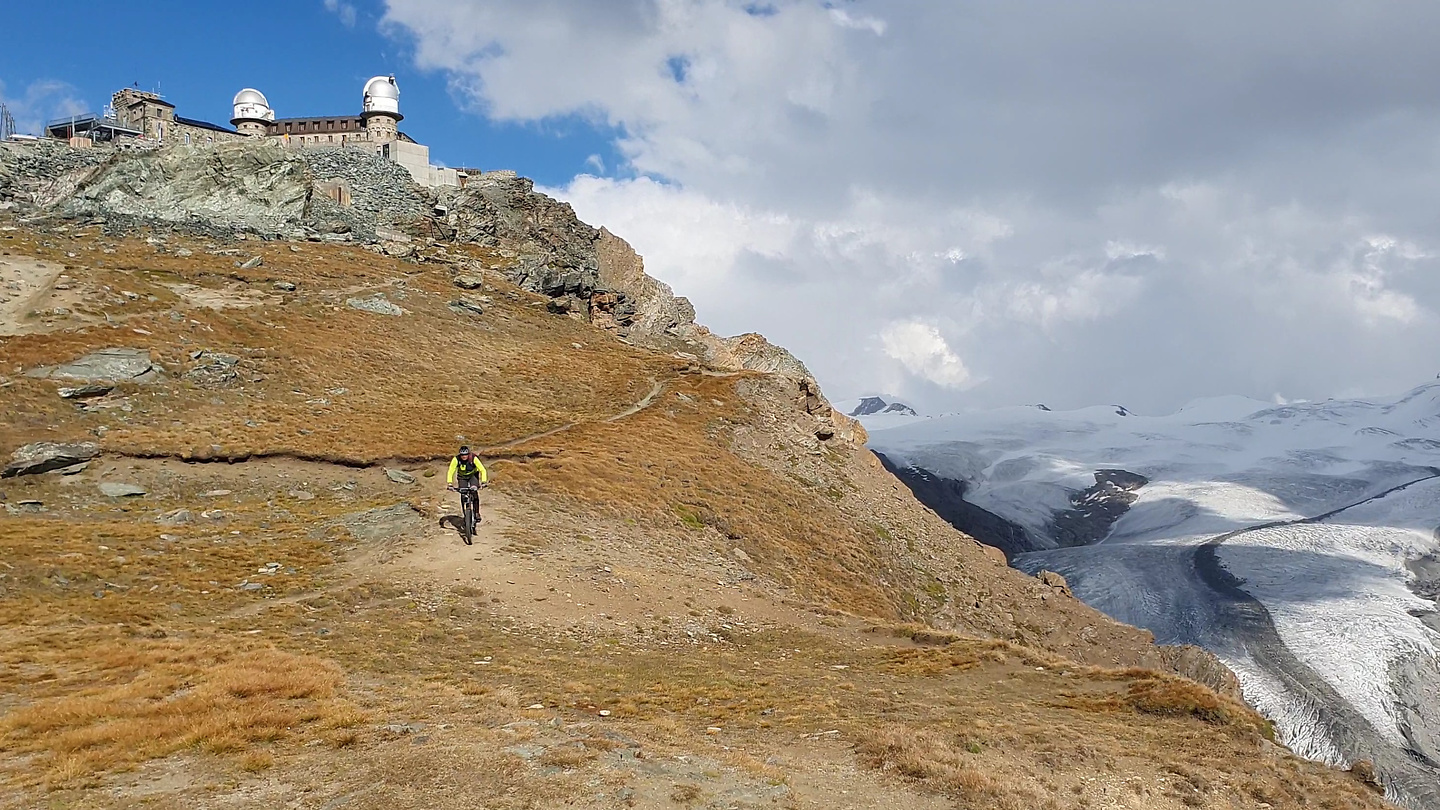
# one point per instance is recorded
(257, 761)
(684, 794)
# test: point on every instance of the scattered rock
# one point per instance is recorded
(301, 495)
(113, 489)
(402, 729)
(739, 554)
(251, 263)
(215, 493)
(377, 304)
(75, 469)
(215, 369)
(86, 391)
(106, 365)
(42, 457)
(464, 305)
(469, 282)
(178, 517)
(251, 586)
(284, 286)
(399, 476)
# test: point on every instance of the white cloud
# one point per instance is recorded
(844, 19)
(1102, 202)
(39, 102)
(923, 351)
(345, 11)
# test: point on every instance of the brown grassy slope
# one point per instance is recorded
(412, 384)
(124, 641)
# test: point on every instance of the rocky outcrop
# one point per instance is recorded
(253, 187)
(355, 195)
(1201, 665)
(40, 173)
(657, 310)
(1095, 509)
(42, 457)
(1055, 582)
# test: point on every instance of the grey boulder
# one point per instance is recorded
(105, 365)
(42, 457)
(399, 476)
(378, 304)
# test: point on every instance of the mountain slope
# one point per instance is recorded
(693, 585)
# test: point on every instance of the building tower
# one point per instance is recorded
(252, 113)
(382, 109)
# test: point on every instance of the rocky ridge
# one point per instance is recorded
(352, 196)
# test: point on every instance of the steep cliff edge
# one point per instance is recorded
(693, 584)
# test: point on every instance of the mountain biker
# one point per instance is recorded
(467, 470)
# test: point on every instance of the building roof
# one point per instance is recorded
(382, 87)
(203, 125)
(142, 95)
(250, 96)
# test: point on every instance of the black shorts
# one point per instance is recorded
(467, 481)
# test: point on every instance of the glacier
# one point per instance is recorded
(1290, 540)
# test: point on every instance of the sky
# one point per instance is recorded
(968, 203)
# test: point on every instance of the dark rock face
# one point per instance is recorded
(1094, 510)
(947, 498)
(869, 406)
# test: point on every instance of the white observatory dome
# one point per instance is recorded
(382, 95)
(250, 104)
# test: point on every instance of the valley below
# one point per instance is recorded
(1291, 541)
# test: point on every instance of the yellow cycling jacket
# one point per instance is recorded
(467, 470)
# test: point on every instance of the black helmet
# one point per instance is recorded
(465, 450)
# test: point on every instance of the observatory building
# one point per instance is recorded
(136, 114)
(377, 126)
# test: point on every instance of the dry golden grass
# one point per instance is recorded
(924, 756)
(413, 382)
(137, 701)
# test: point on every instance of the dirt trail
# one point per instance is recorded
(23, 283)
(647, 401)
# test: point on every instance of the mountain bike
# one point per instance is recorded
(470, 508)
